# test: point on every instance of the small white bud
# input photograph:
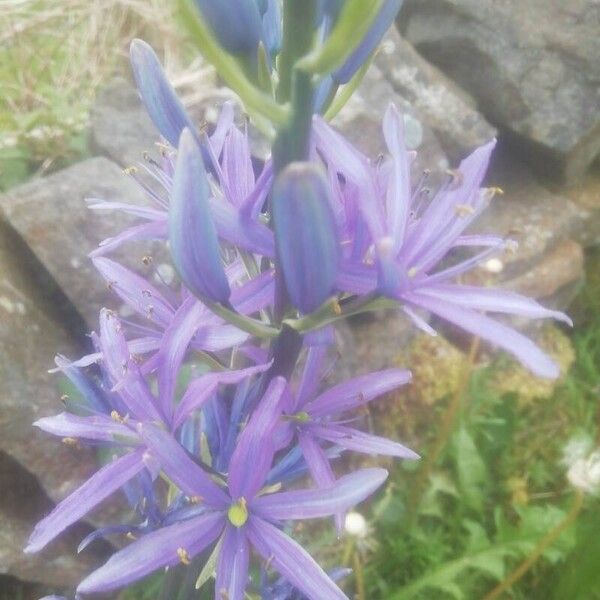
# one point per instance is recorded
(356, 525)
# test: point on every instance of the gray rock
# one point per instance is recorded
(444, 107)
(29, 339)
(536, 218)
(361, 122)
(51, 216)
(586, 196)
(120, 127)
(22, 503)
(533, 66)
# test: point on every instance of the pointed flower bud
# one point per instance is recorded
(306, 234)
(159, 98)
(236, 24)
(381, 24)
(192, 233)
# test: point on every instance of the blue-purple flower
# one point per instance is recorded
(239, 514)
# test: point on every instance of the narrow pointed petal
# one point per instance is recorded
(124, 372)
(201, 389)
(235, 23)
(152, 552)
(232, 566)
(494, 300)
(530, 355)
(356, 392)
(192, 234)
(135, 291)
(256, 445)
(306, 235)
(369, 44)
(96, 427)
(159, 98)
(358, 441)
(292, 561)
(180, 468)
(156, 230)
(399, 189)
(97, 488)
(345, 493)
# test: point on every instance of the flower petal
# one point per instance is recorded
(492, 331)
(232, 567)
(292, 561)
(357, 392)
(353, 439)
(180, 468)
(154, 551)
(344, 494)
(159, 98)
(97, 488)
(253, 455)
(96, 427)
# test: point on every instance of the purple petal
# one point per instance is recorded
(308, 247)
(353, 439)
(180, 468)
(202, 388)
(310, 374)
(345, 493)
(487, 329)
(97, 427)
(123, 371)
(237, 166)
(232, 567)
(256, 445)
(135, 291)
(159, 98)
(192, 233)
(97, 488)
(152, 552)
(357, 392)
(399, 190)
(493, 300)
(292, 561)
(148, 231)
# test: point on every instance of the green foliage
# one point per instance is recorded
(498, 489)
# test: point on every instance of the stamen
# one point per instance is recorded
(130, 170)
(413, 271)
(184, 556)
(464, 210)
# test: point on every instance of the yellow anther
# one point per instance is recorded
(70, 441)
(195, 499)
(464, 210)
(147, 260)
(184, 556)
(413, 271)
(130, 170)
(497, 190)
(129, 535)
(117, 418)
(457, 177)
(64, 397)
(337, 309)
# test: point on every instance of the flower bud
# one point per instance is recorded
(306, 234)
(192, 233)
(236, 24)
(159, 98)
(369, 44)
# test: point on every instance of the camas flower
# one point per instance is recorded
(114, 415)
(242, 515)
(394, 241)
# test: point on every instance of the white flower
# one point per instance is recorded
(576, 449)
(584, 473)
(356, 525)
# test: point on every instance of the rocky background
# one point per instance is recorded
(464, 71)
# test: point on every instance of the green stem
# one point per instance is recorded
(443, 435)
(298, 27)
(537, 552)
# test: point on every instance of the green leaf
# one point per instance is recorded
(472, 471)
(579, 577)
(353, 23)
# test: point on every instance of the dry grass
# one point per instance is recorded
(54, 54)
